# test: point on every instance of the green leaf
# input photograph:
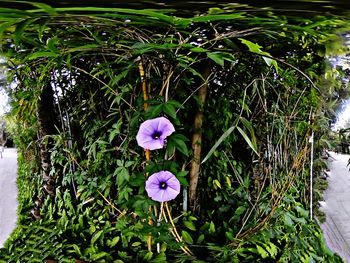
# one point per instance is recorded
(199, 50)
(255, 48)
(161, 257)
(239, 211)
(52, 43)
(175, 103)
(191, 69)
(170, 110)
(211, 228)
(216, 145)
(114, 241)
(249, 126)
(302, 211)
(262, 252)
(182, 174)
(148, 256)
(181, 146)
(154, 111)
(180, 136)
(7, 25)
(136, 244)
(184, 22)
(178, 141)
(220, 57)
(200, 239)
(48, 9)
(129, 163)
(77, 249)
(170, 146)
(246, 138)
(288, 220)
(41, 54)
(96, 236)
(216, 184)
(18, 34)
(183, 181)
(99, 255)
(190, 225)
(187, 237)
(120, 163)
(272, 249)
(122, 174)
(216, 57)
(7, 13)
(141, 48)
(229, 236)
(115, 131)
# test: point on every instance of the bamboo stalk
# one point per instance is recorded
(197, 141)
(147, 152)
(143, 85)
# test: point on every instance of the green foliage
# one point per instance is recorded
(301, 240)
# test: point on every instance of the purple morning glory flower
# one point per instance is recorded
(162, 186)
(152, 133)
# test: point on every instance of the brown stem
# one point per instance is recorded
(145, 98)
(147, 152)
(143, 85)
(197, 141)
(47, 121)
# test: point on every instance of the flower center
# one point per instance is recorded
(156, 135)
(163, 185)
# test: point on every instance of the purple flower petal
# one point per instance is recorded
(152, 133)
(162, 186)
(165, 126)
(174, 184)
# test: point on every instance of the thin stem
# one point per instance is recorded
(161, 211)
(108, 202)
(147, 152)
(185, 248)
(143, 85)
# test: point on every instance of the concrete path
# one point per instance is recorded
(336, 206)
(8, 194)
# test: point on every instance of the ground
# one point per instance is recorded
(8, 194)
(336, 206)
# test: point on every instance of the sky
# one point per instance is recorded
(4, 104)
(4, 107)
(343, 117)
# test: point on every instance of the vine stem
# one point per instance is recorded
(143, 85)
(174, 231)
(121, 213)
(145, 98)
(147, 152)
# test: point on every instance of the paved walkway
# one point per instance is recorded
(8, 194)
(336, 229)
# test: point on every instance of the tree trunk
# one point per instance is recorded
(197, 141)
(47, 121)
